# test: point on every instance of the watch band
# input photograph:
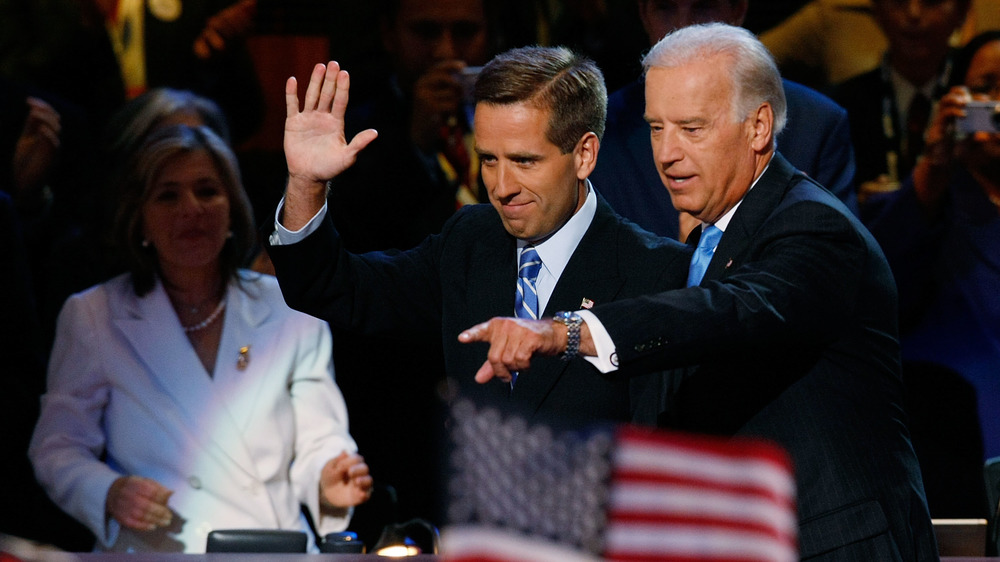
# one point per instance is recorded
(573, 321)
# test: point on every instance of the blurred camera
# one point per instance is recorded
(468, 80)
(980, 116)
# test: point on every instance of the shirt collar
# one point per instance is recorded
(556, 250)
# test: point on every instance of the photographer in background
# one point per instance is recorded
(941, 233)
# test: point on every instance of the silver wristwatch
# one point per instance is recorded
(572, 321)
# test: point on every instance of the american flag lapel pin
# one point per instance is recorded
(587, 303)
(729, 263)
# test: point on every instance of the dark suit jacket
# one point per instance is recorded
(864, 97)
(466, 275)
(791, 336)
(815, 140)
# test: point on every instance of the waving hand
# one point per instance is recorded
(316, 148)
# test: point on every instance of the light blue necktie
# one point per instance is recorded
(703, 254)
(526, 299)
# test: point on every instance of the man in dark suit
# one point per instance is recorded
(790, 335)
(817, 139)
(890, 105)
(539, 117)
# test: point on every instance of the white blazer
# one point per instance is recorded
(127, 395)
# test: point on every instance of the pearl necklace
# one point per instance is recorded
(208, 321)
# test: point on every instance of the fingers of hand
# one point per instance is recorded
(485, 373)
(335, 84)
(291, 97)
(479, 332)
(313, 89)
(362, 139)
(140, 503)
(340, 84)
(359, 469)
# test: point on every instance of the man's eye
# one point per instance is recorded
(427, 30)
(465, 31)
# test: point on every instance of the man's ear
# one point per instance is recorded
(763, 128)
(585, 154)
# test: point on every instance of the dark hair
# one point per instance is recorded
(159, 151)
(963, 57)
(567, 84)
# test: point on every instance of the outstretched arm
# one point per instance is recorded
(514, 341)
(316, 149)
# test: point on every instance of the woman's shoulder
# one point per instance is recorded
(113, 289)
(264, 289)
(259, 286)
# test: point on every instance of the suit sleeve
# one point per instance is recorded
(321, 423)
(69, 438)
(797, 287)
(378, 293)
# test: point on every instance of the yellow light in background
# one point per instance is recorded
(398, 551)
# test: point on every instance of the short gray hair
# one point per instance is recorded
(753, 71)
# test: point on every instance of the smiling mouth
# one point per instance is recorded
(677, 181)
(516, 206)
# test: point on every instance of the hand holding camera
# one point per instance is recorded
(980, 116)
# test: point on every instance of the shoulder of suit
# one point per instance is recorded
(631, 236)
(261, 291)
(474, 218)
(117, 287)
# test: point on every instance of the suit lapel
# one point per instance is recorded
(492, 285)
(239, 389)
(150, 325)
(591, 273)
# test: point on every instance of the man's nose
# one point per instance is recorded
(444, 47)
(505, 184)
(666, 149)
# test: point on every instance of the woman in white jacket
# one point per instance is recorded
(185, 396)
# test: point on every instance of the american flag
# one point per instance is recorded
(532, 492)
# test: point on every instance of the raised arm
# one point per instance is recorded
(316, 149)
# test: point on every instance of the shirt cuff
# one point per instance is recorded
(606, 360)
(283, 237)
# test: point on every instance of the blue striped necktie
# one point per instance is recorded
(526, 299)
(703, 254)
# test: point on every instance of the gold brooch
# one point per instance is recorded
(244, 359)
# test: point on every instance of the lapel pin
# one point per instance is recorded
(729, 263)
(244, 358)
(587, 303)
